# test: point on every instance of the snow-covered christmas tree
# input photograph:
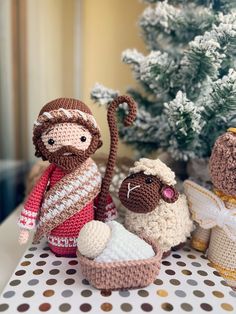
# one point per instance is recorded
(187, 94)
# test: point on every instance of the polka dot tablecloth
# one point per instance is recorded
(45, 283)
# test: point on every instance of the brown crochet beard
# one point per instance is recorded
(223, 164)
(67, 163)
(147, 196)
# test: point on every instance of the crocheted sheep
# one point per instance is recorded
(154, 207)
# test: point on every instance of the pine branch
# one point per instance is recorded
(103, 95)
(134, 58)
(156, 71)
(179, 24)
(145, 102)
(147, 133)
(194, 51)
(224, 6)
(207, 55)
(184, 120)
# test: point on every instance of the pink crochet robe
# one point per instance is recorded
(62, 239)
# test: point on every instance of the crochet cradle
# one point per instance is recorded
(122, 274)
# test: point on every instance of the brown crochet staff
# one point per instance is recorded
(112, 121)
(62, 201)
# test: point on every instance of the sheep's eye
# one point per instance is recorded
(83, 139)
(132, 176)
(149, 180)
(51, 141)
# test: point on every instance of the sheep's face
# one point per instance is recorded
(142, 193)
(223, 164)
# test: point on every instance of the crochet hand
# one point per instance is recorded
(24, 236)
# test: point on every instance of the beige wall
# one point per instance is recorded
(108, 28)
(75, 43)
(7, 136)
(51, 54)
(56, 48)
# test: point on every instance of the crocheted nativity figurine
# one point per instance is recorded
(109, 242)
(111, 257)
(154, 206)
(63, 200)
(215, 212)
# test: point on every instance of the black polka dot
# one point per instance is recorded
(44, 255)
(71, 271)
(20, 272)
(166, 263)
(23, 307)
(85, 307)
(146, 307)
(206, 307)
(176, 255)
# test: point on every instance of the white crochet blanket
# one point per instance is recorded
(124, 246)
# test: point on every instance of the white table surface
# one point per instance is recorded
(44, 283)
(11, 251)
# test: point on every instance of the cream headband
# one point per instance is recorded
(65, 113)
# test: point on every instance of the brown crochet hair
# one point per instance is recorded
(223, 164)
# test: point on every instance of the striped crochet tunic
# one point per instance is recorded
(61, 239)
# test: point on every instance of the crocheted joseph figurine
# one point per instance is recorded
(63, 200)
(216, 212)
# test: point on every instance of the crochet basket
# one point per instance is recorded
(122, 274)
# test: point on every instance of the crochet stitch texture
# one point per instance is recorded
(221, 249)
(70, 192)
(153, 205)
(169, 224)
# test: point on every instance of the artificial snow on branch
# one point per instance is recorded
(187, 82)
(102, 94)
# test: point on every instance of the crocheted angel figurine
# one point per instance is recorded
(154, 206)
(71, 191)
(215, 212)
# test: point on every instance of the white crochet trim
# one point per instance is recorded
(29, 213)
(62, 241)
(48, 115)
(26, 223)
(68, 114)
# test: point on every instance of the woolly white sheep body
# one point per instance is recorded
(168, 224)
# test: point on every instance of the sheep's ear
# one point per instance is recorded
(169, 194)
